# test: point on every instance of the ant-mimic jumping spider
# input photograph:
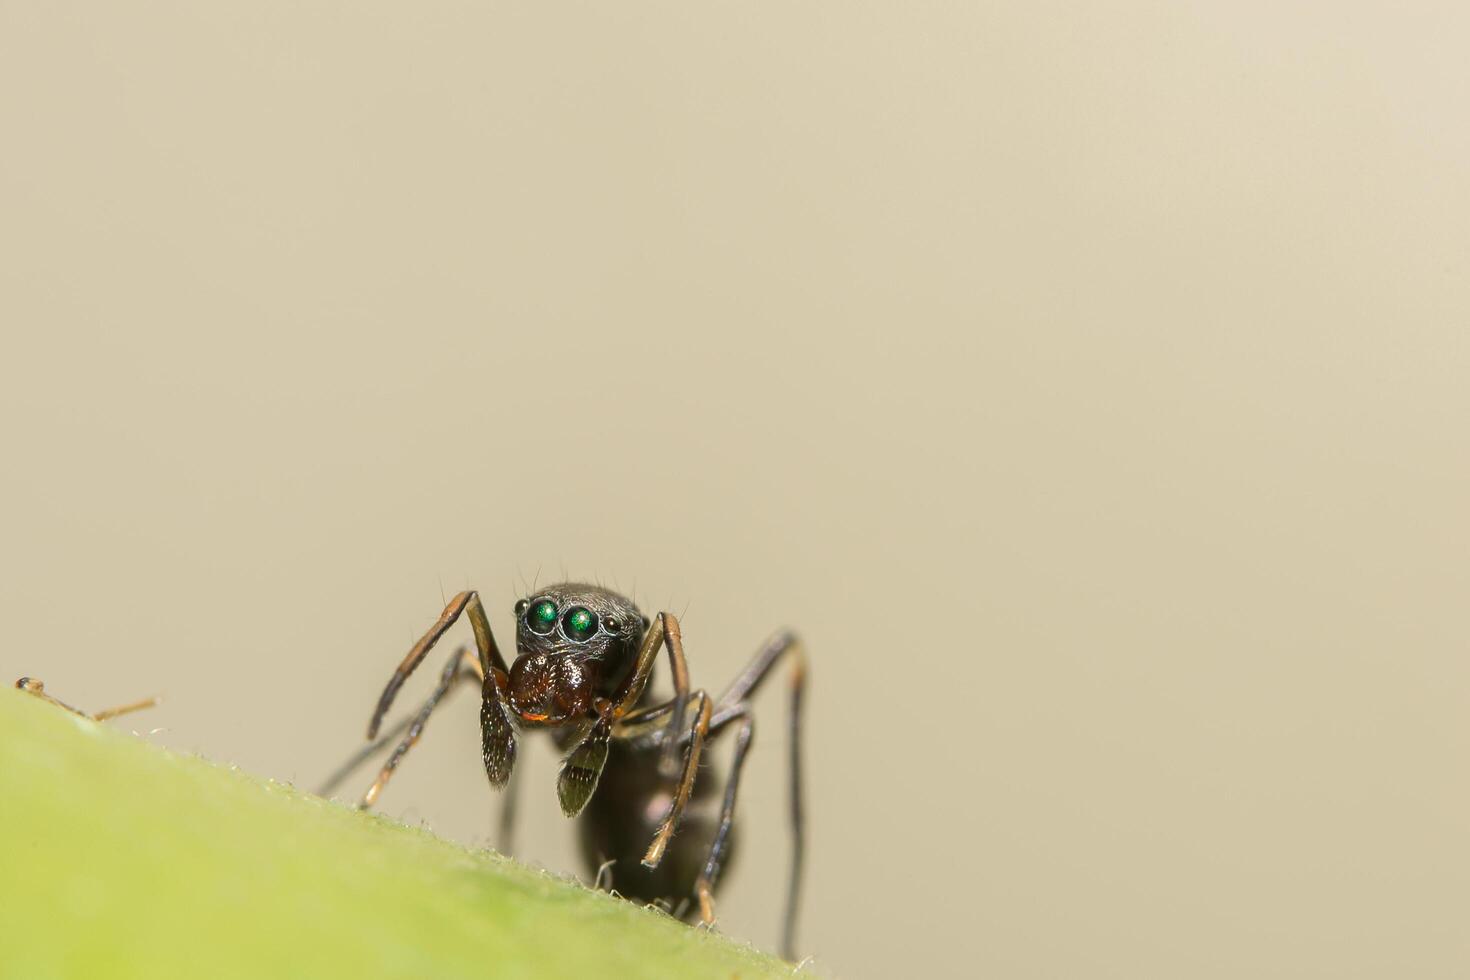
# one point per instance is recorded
(584, 655)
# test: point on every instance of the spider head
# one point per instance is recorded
(574, 643)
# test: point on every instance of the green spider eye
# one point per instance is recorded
(579, 623)
(542, 616)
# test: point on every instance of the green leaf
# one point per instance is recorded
(119, 859)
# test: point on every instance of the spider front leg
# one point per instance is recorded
(662, 632)
(491, 659)
(497, 737)
(488, 666)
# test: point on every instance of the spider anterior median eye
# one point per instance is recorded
(543, 616)
(579, 623)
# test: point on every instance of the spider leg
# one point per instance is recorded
(461, 666)
(490, 656)
(33, 686)
(339, 775)
(668, 766)
(646, 728)
(505, 826)
(697, 732)
(732, 705)
(704, 887)
(664, 630)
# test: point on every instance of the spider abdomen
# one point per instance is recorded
(624, 814)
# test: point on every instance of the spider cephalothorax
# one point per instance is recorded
(574, 643)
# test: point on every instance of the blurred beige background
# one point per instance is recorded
(1087, 382)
